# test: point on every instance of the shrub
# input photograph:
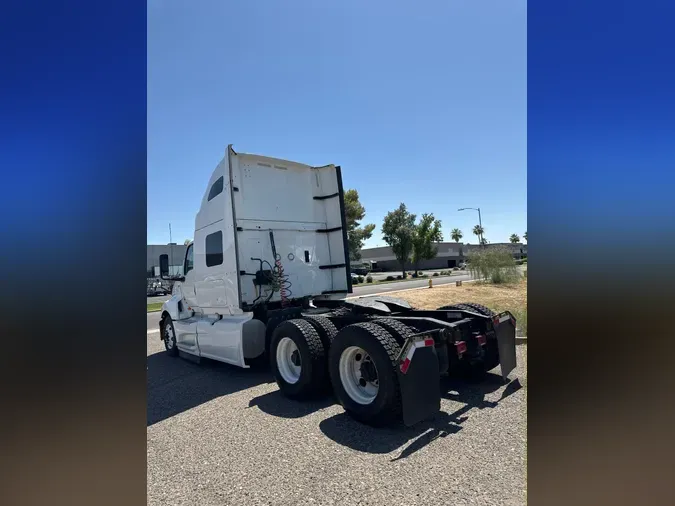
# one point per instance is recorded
(414, 275)
(355, 281)
(521, 321)
(360, 279)
(392, 278)
(435, 274)
(399, 277)
(369, 279)
(495, 265)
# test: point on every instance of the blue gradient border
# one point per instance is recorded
(601, 157)
(73, 161)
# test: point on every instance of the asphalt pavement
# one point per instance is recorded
(218, 434)
(370, 289)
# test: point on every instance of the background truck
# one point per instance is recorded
(266, 279)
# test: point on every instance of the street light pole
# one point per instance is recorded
(170, 247)
(480, 221)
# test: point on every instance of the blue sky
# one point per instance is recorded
(422, 104)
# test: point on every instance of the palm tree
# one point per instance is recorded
(525, 236)
(456, 234)
(514, 238)
(479, 231)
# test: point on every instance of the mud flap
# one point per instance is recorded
(505, 328)
(419, 381)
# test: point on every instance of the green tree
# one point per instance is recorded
(187, 242)
(456, 234)
(478, 231)
(514, 238)
(427, 232)
(398, 231)
(356, 235)
(525, 236)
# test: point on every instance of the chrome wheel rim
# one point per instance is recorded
(289, 362)
(168, 336)
(358, 375)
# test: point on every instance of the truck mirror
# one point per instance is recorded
(163, 265)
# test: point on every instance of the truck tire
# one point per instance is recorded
(399, 330)
(325, 328)
(298, 360)
(491, 358)
(169, 336)
(369, 392)
(470, 306)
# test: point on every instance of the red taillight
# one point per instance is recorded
(481, 340)
(495, 320)
(461, 347)
(405, 365)
(428, 342)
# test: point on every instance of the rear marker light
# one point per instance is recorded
(428, 342)
(481, 340)
(495, 320)
(461, 347)
(405, 365)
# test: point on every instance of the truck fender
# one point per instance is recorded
(171, 307)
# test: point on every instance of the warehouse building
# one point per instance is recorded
(175, 252)
(450, 254)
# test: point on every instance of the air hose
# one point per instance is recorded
(281, 282)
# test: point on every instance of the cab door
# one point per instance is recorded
(188, 286)
(215, 269)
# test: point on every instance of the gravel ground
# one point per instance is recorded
(222, 435)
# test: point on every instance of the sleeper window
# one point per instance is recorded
(214, 249)
(217, 188)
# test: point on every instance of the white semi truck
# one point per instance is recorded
(267, 277)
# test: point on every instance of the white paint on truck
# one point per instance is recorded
(248, 196)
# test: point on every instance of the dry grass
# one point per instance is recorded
(512, 297)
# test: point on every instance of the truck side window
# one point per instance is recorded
(214, 249)
(189, 262)
(216, 189)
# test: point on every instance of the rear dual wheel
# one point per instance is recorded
(362, 365)
(298, 359)
(490, 358)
